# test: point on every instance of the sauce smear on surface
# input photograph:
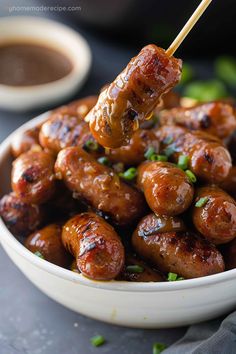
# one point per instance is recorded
(26, 64)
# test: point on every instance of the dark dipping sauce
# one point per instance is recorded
(27, 64)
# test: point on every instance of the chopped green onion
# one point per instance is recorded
(225, 68)
(173, 277)
(158, 348)
(169, 150)
(98, 340)
(91, 145)
(103, 160)
(187, 73)
(39, 254)
(201, 202)
(134, 268)
(206, 90)
(156, 157)
(129, 174)
(168, 140)
(183, 162)
(150, 151)
(191, 176)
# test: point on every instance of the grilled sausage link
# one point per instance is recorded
(99, 186)
(132, 96)
(216, 218)
(33, 177)
(20, 218)
(133, 153)
(26, 141)
(180, 252)
(47, 243)
(208, 158)
(216, 118)
(78, 108)
(136, 270)
(96, 246)
(63, 129)
(166, 187)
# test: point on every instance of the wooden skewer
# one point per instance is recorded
(188, 26)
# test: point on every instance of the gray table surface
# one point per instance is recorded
(30, 322)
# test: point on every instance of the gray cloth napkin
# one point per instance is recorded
(213, 337)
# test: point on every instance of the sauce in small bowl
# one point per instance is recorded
(28, 64)
(42, 62)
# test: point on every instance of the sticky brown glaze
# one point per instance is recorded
(20, 218)
(216, 118)
(132, 96)
(166, 187)
(64, 129)
(25, 142)
(133, 153)
(48, 242)
(216, 219)
(209, 160)
(229, 253)
(96, 246)
(180, 252)
(147, 274)
(99, 186)
(229, 184)
(33, 177)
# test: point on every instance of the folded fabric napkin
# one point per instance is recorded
(213, 337)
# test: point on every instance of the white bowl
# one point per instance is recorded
(145, 305)
(57, 36)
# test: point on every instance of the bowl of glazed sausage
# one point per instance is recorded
(121, 206)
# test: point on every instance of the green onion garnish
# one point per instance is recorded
(191, 176)
(129, 174)
(169, 150)
(158, 348)
(201, 202)
(39, 254)
(103, 160)
(98, 340)
(156, 157)
(173, 277)
(150, 151)
(168, 140)
(91, 145)
(183, 162)
(134, 268)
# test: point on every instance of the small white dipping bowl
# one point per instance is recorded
(41, 31)
(144, 305)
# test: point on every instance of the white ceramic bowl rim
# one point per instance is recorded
(7, 237)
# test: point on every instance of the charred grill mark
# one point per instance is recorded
(208, 158)
(205, 121)
(30, 175)
(132, 114)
